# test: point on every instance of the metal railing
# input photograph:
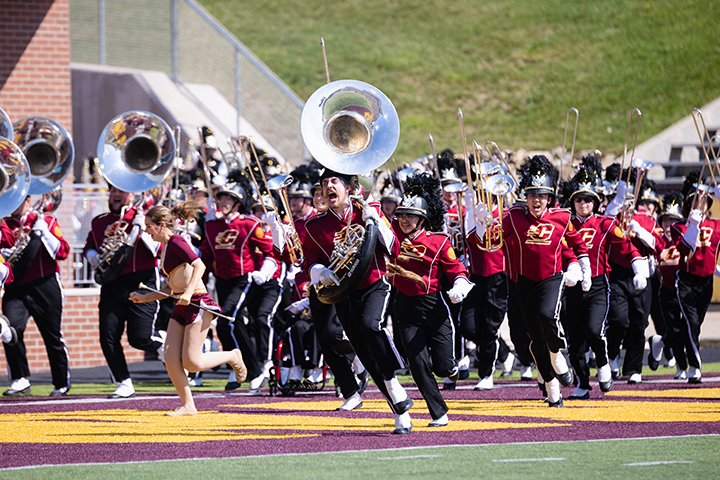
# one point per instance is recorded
(180, 38)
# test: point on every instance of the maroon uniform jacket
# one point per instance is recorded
(428, 255)
(484, 262)
(106, 224)
(229, 245)
(537, 242)
(44, 263)
(669, 264)
(621, 254)
(599, 232)
(321, 232)
(702, 261)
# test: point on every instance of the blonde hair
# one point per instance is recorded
(184, 211)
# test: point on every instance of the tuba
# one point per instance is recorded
(14, 177)
(136, 151)
(350, 127)
(50, 152)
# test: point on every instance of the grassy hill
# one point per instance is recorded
(514, 67)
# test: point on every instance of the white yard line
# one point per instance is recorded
(518, 460)
(651, 464)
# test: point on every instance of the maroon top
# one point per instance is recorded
(599, 232)
(702, 261)
(484, 262)
(621, 254)
(176, 252)
(43, 264)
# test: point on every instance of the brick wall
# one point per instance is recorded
(35, 79)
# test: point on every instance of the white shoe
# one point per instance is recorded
(20, 384)
(553, 391)
(258, 382)
(485, 383)
(694, 375)
(580, 394)
(315, 375)
(604, 373)
(670, 363)
(124, 389)
(508, 364)
(396, 391)
(464, 363)
(470, 346)
(6, 332)
(403, 424)
(439, 422)
(351, 403)
(680, 375)
(656, 347)
(195, 382)
(634, 379)
(526, 372)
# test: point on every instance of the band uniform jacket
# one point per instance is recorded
(107, 224)
(229, 245)
(427, 255)
(599, 232)
(46, 262)
(538, 241)
(324, 228)
(621, 254)
(702, 261)
(485, 262)
(669, 264)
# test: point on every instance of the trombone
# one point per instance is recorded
(703, 135)
(575, 112)
(628, 209)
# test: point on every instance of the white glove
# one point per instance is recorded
(469, 211)
(643, 235)
(370, 214)
(139, 219)
(717, 270)
(265, 273)
(4, 270)
(586, 273)
(573, 274)
(278, 237)
(617, 202)
(41, 226)
(693, 230)
(642, 273)
(322, 275)
(460, 289)
(6, 252)
(93, 258)
(482, 214)
(297, 307)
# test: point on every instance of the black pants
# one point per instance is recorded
(116, 311)
(628, 319)
(483, 311)
(586, 315)
(518, 331)
(427, 333)
(43, 299)
(694, 294)
(336, 349)
(540, 303)
(361, 315)
(302, 344)
(676, 331)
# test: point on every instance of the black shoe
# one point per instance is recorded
(16, 393)
(652, 363)
(606, 386)
(449, 386)
(404, 406)
(694, 381)
(543, 390)
(464, 374)
(402, 431)
(585, 396)
(60, 392)
(364, 379)
(566, 379)
(557, 404)
(615, 374)
(232, 386)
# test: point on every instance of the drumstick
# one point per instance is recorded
(174, 297)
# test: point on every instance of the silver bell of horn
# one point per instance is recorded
(350, 126)
(136, 150)
(49, 150)
(6, 128)
(14, 177)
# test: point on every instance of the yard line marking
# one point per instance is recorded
(516, 460)
(650, 464)
(407, 457)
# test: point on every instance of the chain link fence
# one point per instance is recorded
(180, 38)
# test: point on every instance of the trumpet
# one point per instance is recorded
(279, 184)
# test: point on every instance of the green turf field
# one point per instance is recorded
(515, 67)
(686, 457)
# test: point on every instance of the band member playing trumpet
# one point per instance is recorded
(127, 222)
(426, 329)
(229, 250)
(37, 291)
(189, 324)
(361, 311)
(538, 234)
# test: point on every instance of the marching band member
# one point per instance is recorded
(133, 263)
(36, 290)
(537, 234)
(668, 266)
(8, 334)
(586, 311)
(697, 239)
(228, 249)
(630, 297)
(361, 313)
(426, 329)
(189, 324)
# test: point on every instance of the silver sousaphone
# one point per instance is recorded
(14, 177)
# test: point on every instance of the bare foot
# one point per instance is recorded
(239, 366)
(181, 411)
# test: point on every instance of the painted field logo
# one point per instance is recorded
(540, 234)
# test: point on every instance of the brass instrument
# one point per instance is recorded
(279, 184)
(14, 177)
(6, 127)
(704, 135)
(628, 209)
(136, 151)
(575, 112)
